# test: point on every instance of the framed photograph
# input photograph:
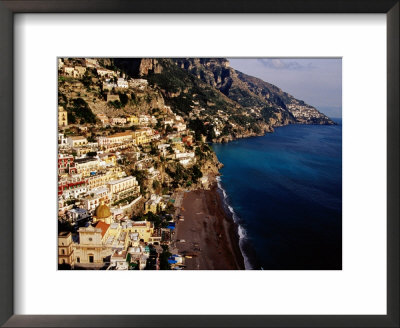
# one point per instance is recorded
(200, 165)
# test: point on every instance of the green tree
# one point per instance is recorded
(124, 99)
(91, 154)
(164, 265)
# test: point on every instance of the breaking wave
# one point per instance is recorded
(240, 229)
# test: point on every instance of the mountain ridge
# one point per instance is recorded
(227, 103)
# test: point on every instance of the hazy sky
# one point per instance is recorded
(316, 81)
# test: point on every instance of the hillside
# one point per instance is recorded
(214, 99)
(253, 93)
(218, 101)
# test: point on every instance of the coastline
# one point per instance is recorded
(211, 239)
(259, 260)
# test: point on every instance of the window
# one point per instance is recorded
(78, 259)
(63, 252)
(91, 258)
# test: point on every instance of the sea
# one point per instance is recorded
(284, 191)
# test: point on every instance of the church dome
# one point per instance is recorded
(102, 211)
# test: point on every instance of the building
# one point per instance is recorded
(117, 138)
(132, 119)
(62, 117)
(87, 166)
(90, 250)
(118, 120)
(66, 164)
(78, 214)
(65, 250)
(144, 119)
(62, 141)
(103, 214)
(68, 71)
(103, 118)
(143, 136)
(76, 141)
(100, 180)
(124, 187)
(79, 71)
(138, 83)
(180, 127)
(179, 155)
(92, 201)
(163, 148)
(169, 122)
(108, 159)
(154, 204)
(188, 140)
(145, 230)
(91, 62)
(109, 85)
(60, 64)
(118, 259)
(102, 72)
(72, 186)
(122, 83)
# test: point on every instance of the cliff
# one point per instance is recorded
(219, 102)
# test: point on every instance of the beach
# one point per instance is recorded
(208, 235)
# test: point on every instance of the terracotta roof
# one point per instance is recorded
(103, 226)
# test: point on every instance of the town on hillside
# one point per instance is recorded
(125, 161)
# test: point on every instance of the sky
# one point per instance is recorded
(317, 81)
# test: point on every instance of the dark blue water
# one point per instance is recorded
(286, 189)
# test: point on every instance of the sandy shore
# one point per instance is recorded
(209, 234)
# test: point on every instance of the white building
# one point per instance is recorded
(117, 138)
(144, 119)
(87, 165)
(122, 83)
(77, 214)
(118, 120)
(124, 187)
(180, 127)
(62, 141)
(76, 141)
(163, 148)
(92, 201)
(179, 155)
(138, 83)
(105, 72)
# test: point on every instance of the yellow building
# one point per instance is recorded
(132, 119)
(86, 165)
(179, 146)
(145, 229)
(100, 180)
(141, 137)
(91, 251)
(62, 117)
(65, 250)
(154, 204)
(79, 71)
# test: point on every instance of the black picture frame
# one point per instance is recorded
(10, 7)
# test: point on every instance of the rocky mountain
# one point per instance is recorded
(251, 92)
(219, 101)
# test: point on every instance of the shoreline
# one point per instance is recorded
(211, 239)
(245, 245)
